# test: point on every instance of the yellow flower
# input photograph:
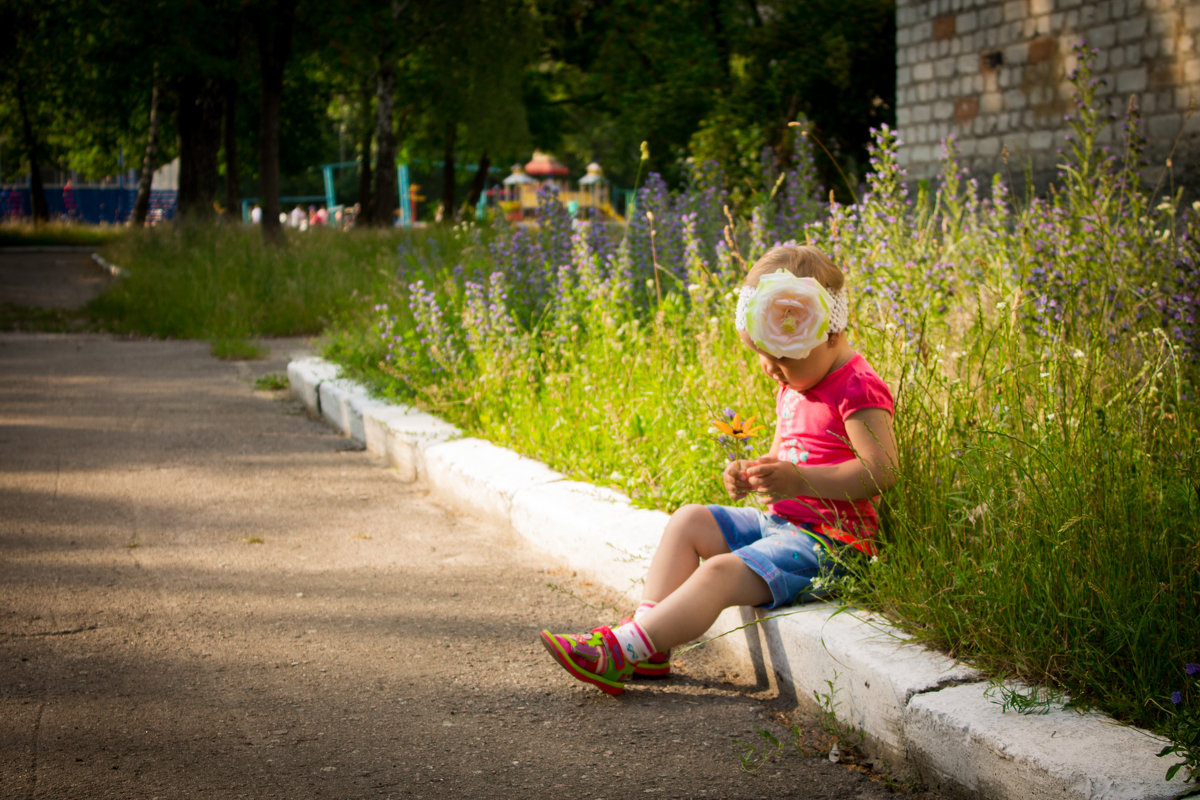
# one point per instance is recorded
(736, 427)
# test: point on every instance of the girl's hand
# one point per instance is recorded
(772, 478)
(735, 479)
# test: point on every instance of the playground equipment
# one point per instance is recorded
(517, 197)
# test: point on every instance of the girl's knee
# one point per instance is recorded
(685, 521)
(730, 578)
(697, 526)
(691, 514)
(725, 566)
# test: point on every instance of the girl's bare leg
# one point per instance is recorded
(720, 582)
(691, 534)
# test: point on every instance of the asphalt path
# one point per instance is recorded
(205, 593)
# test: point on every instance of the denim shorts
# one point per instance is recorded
(785, 555)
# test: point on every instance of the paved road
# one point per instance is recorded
(206, 594)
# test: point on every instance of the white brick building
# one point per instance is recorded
(994, 74)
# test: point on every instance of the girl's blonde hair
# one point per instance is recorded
(800, 260)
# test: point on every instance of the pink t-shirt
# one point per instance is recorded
(812, 427)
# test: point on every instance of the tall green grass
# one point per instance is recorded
(1046, 374)
(225, 283)
(57, 234)
(1044, 525)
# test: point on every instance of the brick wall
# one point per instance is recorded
(993, 73)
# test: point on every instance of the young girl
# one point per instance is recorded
(832, 453)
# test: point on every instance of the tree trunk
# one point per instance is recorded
(721, 39)
(478, 183)
(364, 173)
(199, 146)
(141, 206)
(233, 182)
(274, 28)
(448, 172)
(384, 198)
(37, 190)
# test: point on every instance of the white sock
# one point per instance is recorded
(642, 608)
(634, 642)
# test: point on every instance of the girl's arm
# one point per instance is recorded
(872, 472)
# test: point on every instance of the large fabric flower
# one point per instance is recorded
(786, 316)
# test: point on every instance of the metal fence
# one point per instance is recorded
(94, 204)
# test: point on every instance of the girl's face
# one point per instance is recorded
(802, 374)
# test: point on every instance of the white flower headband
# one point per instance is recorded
(786, 316)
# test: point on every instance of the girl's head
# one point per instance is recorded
(800, 260)
(792, 311)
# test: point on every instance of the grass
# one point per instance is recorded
(1040, 350)
(273, 382)
(58, 234)
(1043, 527)
(227, 286)
(1045, 372)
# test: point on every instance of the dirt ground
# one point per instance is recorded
(205, 593)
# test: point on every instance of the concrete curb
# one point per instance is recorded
(109, 267)
(921, 713)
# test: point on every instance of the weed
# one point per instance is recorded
(754, 756)
(845, 740)
(252, 540)
(1183, 728)
(1028, 700)
(272, 382)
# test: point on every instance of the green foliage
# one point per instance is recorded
(1029, 700)
(756, 756)
(58, 234)
(224, 284)
(828, 61)
(711, 81)
(1044, 371)
(843, 737)
(1183, 727)
(273, 382)
(1043, 524)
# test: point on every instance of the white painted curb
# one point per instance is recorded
(920, 712)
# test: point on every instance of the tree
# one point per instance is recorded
(200, 112)
(29, 80)
(383, 195)
(141, 206)
(627, 72)
(830, 60)
(233, 183)
(476, 71)
(273, 24)
(614, 74)
(432, 81)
